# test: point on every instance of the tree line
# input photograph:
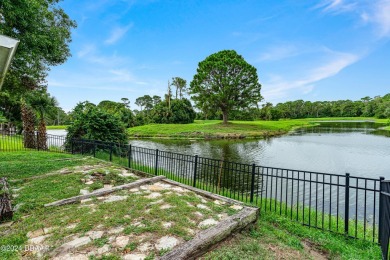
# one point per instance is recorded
(378, 107)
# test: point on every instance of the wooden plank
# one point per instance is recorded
(106, 191)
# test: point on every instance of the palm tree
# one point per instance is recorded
(28, 118)
(43, 104)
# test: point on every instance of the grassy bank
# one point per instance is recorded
(56, 127)
(214, 129)
(273, 237)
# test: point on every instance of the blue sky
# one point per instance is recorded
(311, 50)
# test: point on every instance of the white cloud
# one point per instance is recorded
(117, 33)
(337, 6)
(380, 17)
(374, 12)
(123, 75)
(306, 90)
(278, 87)
(87, 49)
(90, 54)
(279, 53)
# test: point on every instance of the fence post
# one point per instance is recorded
(94, 148)
(156, 166)
(111, 146)
(253, 183)
(195, 170)
(346, 214)
(381, 205)
(129, 156)
(82, 146)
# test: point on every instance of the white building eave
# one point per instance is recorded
(7, 51)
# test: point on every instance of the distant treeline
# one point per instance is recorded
(378, 107)
(170, 110)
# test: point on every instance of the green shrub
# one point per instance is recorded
(91, 122)
(179, 112)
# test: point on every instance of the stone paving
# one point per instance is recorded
(135, 239)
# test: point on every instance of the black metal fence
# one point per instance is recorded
(384, 220)
(358, 207)
(12, 141)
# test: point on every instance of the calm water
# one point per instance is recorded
(332, 147)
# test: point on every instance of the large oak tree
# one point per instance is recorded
(225, 81)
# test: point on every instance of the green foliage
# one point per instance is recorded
(120, 110)
(145, 102)
(180, 85)
(58, 118)
(92, 122)
(181, 112)
(225, 81)
(42, 103)
(365, 107)
(2, 118)
(156, 100)
(44, 31)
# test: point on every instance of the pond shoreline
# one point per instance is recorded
(236, 130)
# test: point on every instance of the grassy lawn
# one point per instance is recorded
(11, 143)
(235, 129)
(56, 127)
(273, 237)
(215, 129)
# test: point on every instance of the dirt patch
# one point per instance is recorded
(313, 251)
(280, 252)
(241, 245)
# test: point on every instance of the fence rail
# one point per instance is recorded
(356, 206)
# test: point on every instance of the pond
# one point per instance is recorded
(355, 147)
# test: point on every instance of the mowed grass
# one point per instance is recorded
(11, 143)
(24, 164)
(56, 127)
(215, 129)
(275, 237)
(234, 129)
(19, 167)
